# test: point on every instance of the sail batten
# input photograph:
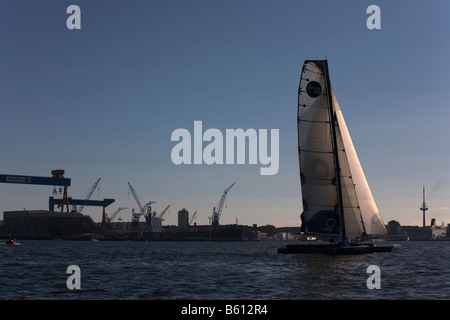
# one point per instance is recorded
(313, 151)
(300, 120)
(336, 196)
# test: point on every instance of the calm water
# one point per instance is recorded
(204, 270)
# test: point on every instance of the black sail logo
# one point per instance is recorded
(313, 89)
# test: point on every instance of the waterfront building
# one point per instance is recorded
(42, 224)
(183, 218)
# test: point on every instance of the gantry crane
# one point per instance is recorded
(57, 179)
(95, 203)
(52, 202)
(216, 213)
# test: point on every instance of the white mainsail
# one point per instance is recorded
(334, 187)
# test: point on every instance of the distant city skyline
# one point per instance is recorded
(102, 101)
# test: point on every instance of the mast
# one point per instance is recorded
(337, 168)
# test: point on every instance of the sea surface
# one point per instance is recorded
(150, 270)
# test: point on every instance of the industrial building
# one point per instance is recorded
(42, 224)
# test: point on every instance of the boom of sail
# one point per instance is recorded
(336, 196)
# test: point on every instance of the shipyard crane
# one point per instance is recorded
(57, 179)
(135, 216)
(110, 219)
(193, 216)
(145, 209)
(216, 213)
(88, 196)
(163, 212)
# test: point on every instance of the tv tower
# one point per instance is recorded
(424, 206)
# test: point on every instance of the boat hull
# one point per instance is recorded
(334, 249)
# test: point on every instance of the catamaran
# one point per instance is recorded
(337, 201)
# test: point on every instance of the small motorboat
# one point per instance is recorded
(12, 241)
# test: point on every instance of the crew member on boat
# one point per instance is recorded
(347, 242)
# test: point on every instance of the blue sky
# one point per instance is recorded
(103, 101)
